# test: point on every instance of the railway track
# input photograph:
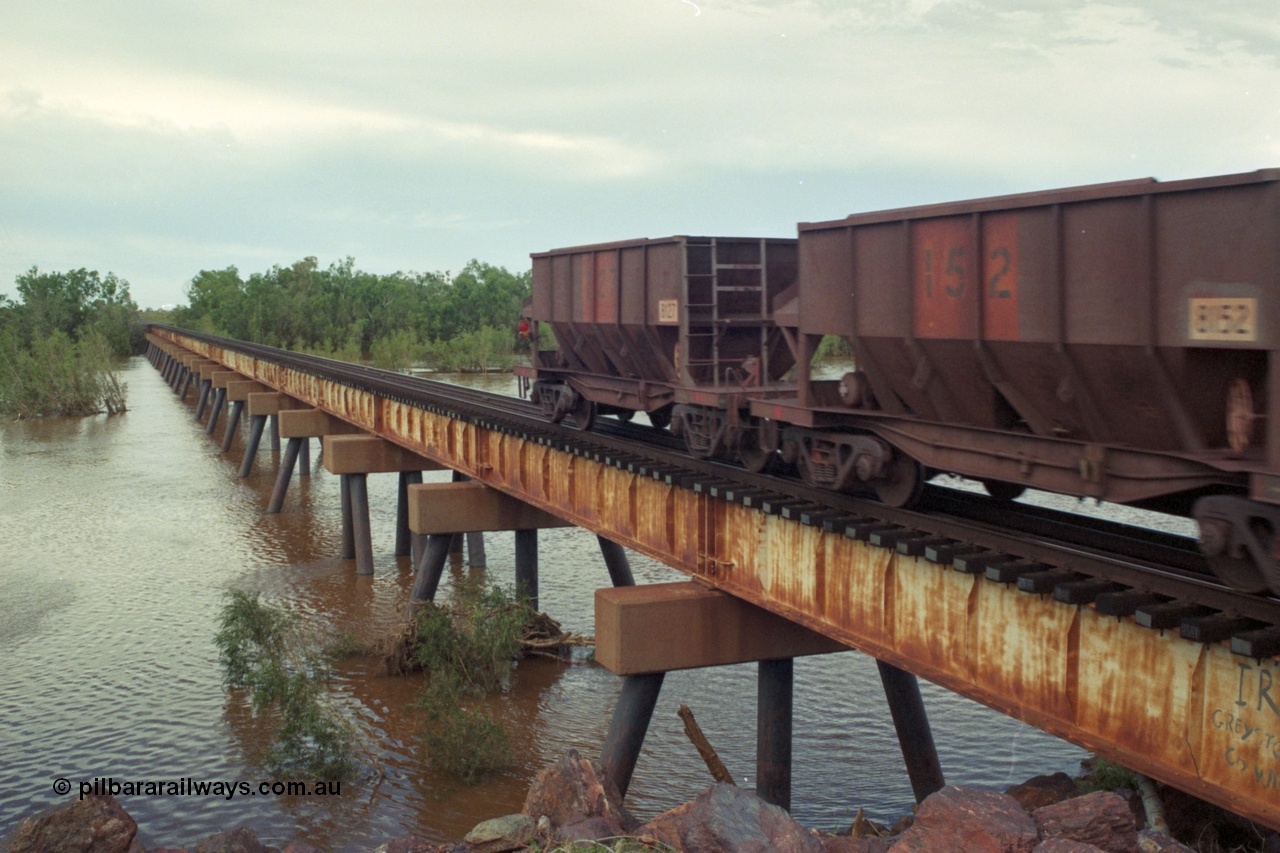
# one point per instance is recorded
(1159, 579)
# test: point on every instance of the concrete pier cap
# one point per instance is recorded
(313, 423)
(239, 391)
(368, 454)
(471, 507)
(272, 403)
(685, 625)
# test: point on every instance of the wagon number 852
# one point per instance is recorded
(1223, 319)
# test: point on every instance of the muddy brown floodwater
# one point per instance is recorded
(120, 536)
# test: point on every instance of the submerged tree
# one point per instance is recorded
(58, 343)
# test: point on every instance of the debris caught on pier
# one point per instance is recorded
(471, 613)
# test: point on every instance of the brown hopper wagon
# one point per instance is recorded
(1114, 341)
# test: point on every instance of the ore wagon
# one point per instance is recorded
(648, 325)
(1116, 341)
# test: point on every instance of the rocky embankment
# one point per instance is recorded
(572, 803)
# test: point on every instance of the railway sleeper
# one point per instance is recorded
(1125, 602)
(1216, 627)
(1168, 614)
(915, 546)
(1085, 591)
(1044, 582)
(1262, 643)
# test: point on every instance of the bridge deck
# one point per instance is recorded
(1190, 714)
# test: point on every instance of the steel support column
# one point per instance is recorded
(360, 532)
(348, 540)
(403, 534)
(291, 449)
(233, 423)
(256, 424)
(527, 566)
(219, 397)
(906, 706)
(205, 387)
(774, 697)
(615, 560)
(630, 723)
(434, 555)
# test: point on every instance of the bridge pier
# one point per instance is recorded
(354, 458)
(238, 391)
(642, 632)
(264, 405)
(439, 511)
(220, 379)
(298, 427)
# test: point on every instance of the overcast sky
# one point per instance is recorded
(156, 139)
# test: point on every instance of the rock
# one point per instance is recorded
(1041, 791)
(1154, 841)
(1065, 845)
(975, 821)
(96, 824)
(1102, 819)
(242, 840)
(726, 817)
(573, 789)
(588, 829)
(501, 834)
(300, 847)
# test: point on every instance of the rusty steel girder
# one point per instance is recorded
(1190, 714)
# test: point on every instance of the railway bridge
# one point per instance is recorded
(1177, 679)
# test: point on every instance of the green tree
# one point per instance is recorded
(58, 344)
(350, 313)
(75, 303)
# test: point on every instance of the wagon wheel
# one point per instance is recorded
(757, 445)
(1240, 573)
(1240, 415)
(582, 414)
(660, 418)
(625, 415)
(1002, 491)
(902, 483)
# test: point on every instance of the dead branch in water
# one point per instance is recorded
(700, 742)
